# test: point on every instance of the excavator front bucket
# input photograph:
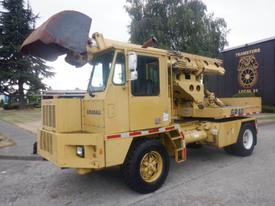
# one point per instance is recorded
(66, 32)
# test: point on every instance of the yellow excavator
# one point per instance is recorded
(143, 105)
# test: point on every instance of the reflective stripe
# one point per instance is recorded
(169, 128)
(135, 133)
(126, 134)
(113, 136)
(162, 129)
(153, 130)
(144, 132)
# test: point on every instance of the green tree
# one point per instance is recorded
(18, 73)
(182, 25)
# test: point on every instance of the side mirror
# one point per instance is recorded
(132, 64)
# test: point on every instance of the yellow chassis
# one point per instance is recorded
(103, 151)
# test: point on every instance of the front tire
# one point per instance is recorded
(146, 166)
(245, 143)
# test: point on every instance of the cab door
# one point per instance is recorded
(148, 93)
(116, 104)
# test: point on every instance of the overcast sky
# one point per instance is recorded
(248, 21)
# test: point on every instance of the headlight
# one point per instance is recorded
(80, 151)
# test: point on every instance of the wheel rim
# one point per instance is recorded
(247, 139)
(151, 166)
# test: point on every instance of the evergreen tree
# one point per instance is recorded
(18, 73)
(180, 24)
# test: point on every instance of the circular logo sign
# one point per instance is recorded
(248, 71)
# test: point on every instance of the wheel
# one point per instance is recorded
(146, 166)
(245, 143)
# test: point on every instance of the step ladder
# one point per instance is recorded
(178, 143)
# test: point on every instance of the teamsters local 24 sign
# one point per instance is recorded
(248, 73)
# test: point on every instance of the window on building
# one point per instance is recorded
(147, 83)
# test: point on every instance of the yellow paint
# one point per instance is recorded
(151, 166)
(62, 115)
(60, 148)
(147, 111)
(83, 171)
(116, 150)
(87, 122)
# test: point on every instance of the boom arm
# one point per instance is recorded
(188, 71)
(195, 64)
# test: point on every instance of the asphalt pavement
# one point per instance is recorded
(23, 138)
(208, 177)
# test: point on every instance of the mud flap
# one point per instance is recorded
(66, 32)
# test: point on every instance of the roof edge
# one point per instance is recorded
(249, 44)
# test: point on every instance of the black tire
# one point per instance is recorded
(131, 169)
(242, 147)
(34, 148)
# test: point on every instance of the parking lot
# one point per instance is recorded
(208, 177)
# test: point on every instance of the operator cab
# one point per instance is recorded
(135, 80)
(144, 73)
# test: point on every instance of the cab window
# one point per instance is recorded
(100, 73)
(119, 75)
(147, 83)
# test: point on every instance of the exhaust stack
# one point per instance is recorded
(150, 42)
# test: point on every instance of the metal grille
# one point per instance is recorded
(49, 116)
(46, 141)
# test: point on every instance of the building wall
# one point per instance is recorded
(248, 69)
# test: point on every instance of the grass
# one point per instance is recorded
(20, 116)
(28, 119)
(5, 142)
(266, 117)
(268, 109)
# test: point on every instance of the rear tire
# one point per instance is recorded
(246, 141)
(146, 166)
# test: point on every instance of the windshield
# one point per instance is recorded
(100, 73)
